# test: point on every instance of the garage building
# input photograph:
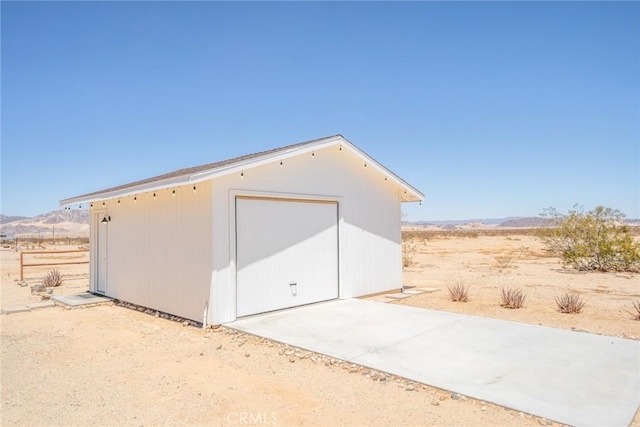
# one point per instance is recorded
(309, 222)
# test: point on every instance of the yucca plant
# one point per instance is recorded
(512, 298)
(458, 293)
(636, 310)
(570, 303)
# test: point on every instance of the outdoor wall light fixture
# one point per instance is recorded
(173, 193)
(293, 286)
(135, 199)
(194, 188)
(241, 175)
(106, 219)
(154, 196)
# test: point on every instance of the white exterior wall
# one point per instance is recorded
(369, 221)
(159, 252)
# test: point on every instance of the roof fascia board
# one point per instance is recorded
(129, 191)
(412, 191)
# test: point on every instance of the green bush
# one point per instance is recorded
(597, 240)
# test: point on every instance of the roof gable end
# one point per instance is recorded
(193, 175)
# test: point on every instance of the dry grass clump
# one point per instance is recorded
(504, 261)
(459, 293)
(636, 311)
(512, 298)
(570, 303)
(52, 279)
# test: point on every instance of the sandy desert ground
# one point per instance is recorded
(441, 260)
(111, 365)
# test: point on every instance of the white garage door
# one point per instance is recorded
(287, 253)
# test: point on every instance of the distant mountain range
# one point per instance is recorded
(509, 222)
(75, 223)
(67, 223)
(512, 222)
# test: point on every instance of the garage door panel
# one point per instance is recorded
(287, 254)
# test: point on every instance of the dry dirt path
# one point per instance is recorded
(109, 365)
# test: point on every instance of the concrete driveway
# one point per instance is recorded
(569, 377)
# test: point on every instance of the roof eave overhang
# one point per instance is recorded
(409, 193)
(129, 191)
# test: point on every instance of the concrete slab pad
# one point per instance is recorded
(571, 378)
(397, 296)
(83, 298)
(413, 292)
(16, 309)
(43, 304)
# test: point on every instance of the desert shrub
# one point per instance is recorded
(593, 241)
(512, 298)
(408, 235)
(52, 279)
(459, 293)
(636, 310)
(570, 303)
(504, 261)
(408, 253)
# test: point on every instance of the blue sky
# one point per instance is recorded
(491, 109)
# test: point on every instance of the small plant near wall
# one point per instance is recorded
(569, 303)
(458, 293)
(52, 279)
(512, 298)
(636, 310)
